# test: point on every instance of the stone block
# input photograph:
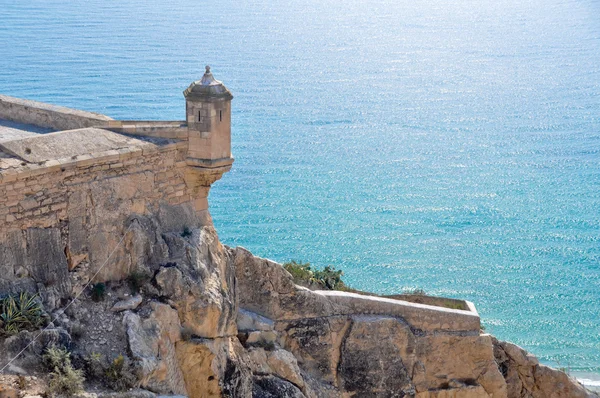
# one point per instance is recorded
(127, 305)
(248, 320)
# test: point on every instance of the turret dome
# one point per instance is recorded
(208, 88)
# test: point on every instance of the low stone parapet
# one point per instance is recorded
(162, 129)
(269, 290)
(424, 317)
(47, 115)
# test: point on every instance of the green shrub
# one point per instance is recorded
(136, 280)
(186, 232)
(22, 312)
(328, 278)
(56, 357)
(117, 374)
(299, 271)
(94, 365)
(64, 379)
(98, 292)
(120, 375)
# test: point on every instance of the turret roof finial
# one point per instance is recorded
(207, 87)
(208, 78)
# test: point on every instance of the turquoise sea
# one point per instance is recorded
(452, 146)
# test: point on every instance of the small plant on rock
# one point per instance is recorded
(301, 272)
(94, 365)
(304, 273)
(22, 312)
(330, 278)
(136, 280)
(186, 232)
(120, 375)
(98, 292)
(64, 378)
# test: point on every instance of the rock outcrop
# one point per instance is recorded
(363, 346)
(526, 377)
(214, 321)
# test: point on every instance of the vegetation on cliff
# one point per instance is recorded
(305, 274)
(64, 378)
(20, 312)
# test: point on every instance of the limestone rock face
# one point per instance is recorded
(284, 364)
(98, 228)
(345, 345)
(526, 377)
(34, 260)
(248, 320)
(152, 344)
(202, 285)
(316, 343)
(215, 368)
(212, 321)
(264, 284)
(371, 354)
(273, 387)
(198, 283)
(376, 364)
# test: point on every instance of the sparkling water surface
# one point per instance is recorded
(449, 146)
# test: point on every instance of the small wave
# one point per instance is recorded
(593, 385)
(327, 122)
(590, 382)
(588, 379)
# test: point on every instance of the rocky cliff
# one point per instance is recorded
(200, 319)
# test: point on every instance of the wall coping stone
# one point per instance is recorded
(425, 317)
(83, 161)
(47, 115)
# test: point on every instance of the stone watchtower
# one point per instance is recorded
(208, 116)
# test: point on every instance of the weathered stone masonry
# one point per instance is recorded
(39, 198)
(81, 188)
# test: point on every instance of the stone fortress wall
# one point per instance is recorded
(47, 115)
(67, 196)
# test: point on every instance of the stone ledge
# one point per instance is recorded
(159, 129)
(425, 317)
(110, 157)
(47, 115)
(211, 163)
(70, 143)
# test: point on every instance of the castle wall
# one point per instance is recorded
(69, 198)
(39, 197)
(46, 115)
(71, 215)
(160, 129)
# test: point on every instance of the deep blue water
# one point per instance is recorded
(449, 146)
